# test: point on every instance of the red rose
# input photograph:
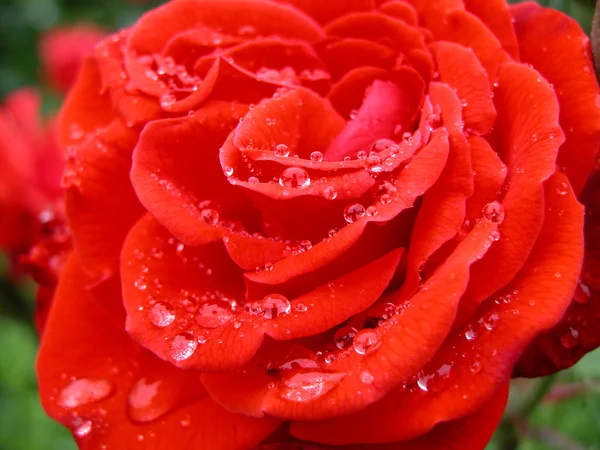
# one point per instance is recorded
(337, 222)
(62, 51)
(31, 165)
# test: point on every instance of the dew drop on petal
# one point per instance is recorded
(308, 386)
(185, 422)
(294, 177)
(361, 154)
(382, 145)
(494, 212)
(563, 188)
(366, 341)
(470, 334)
(167, 100)
(83, 391)
(366, 377)
(570, 338)
(434, 121)
(228, 171)
(344, 336)
(162, 314)
(275, 305)
(282, 151)
(212, 315)
(330, 193)
(182, 346)
(316, 156)
(371, 211)
(373, 164)
(147, 401)
(353, 212)
(210, 216)
(82, 427)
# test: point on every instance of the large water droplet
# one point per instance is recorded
(212, 315)
(354, 212)
(162, 314)
(494, 212)
(182, 346)
(366, 377)
(294, 177)
(316, 156)
(373, 164)
(366, 341)
(83, 391)
(274, 305)
(305, 387)
(344, 336)
(146, 401)
(330, 193)
(282, 151)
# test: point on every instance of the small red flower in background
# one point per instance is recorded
(31, 166)
(340, 223)
(62, 51)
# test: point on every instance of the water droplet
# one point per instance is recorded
(282, 151)
(434, 121)
(344, 336)
(305, 245)
(470, 334)
(389, 310)
(570, 338)
(366, 377)
(353, 212)
(308, 386)
(407, 138)
(373, 164)
(82, 427)
(371, 211)
(382, 145)
(583, 294)
(147, 402)
(495, 235)
(210, 216)
(185, 422)
(162, 314)
(167, 100)
(182, 346)
(83, 391)
(300, 307)
(330, 193)
(385, 199)
(476, 366)
(140, 285)
(253, 180)
(316, 156)
(294, 177)
(366, 341)
(490, 321)
(494, 212)
(228, 171)
(212, 315)
(361, 154)
(275, 305)
(563, 188)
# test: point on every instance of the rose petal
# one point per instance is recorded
(110, 392)
(458, 66)
(559, 49)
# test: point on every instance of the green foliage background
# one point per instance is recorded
(572, 423)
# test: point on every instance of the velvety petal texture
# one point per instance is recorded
(308, 224)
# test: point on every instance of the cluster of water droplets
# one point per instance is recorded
(172, 76)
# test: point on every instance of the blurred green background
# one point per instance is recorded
(562, 412)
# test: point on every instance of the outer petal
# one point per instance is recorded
(468, 433)
(577, 332)
(557, 47)
(111, 393)
(100, 199)
(530, 138)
